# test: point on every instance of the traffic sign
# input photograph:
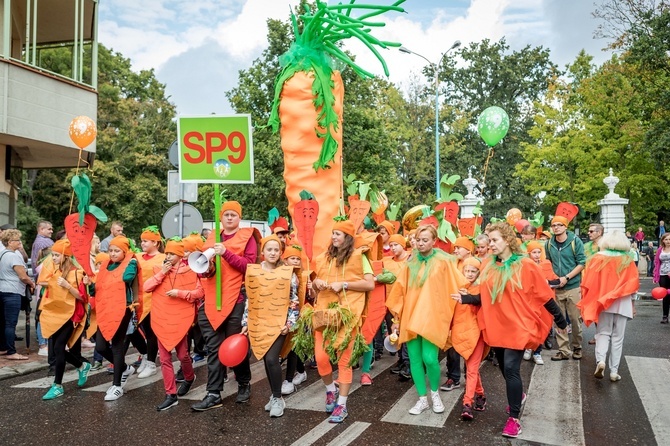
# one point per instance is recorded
(177, 191)
(181, 219)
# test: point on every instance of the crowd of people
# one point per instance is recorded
(497, 295)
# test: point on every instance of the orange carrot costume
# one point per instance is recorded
(269, 294)
(426, 309)
(147, 267)
(465, 330)
(375, 308)
(58, 306)
(608, 276)
(110, 296)
(513, 295)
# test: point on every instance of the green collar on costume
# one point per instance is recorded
(423, 258)
(501, 273)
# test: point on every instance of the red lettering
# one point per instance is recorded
(199, 150)
(237, 144)
(214, 142)
(220, 146)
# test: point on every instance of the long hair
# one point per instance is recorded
(615, 240)
(65, 266)
(343, 253)
(507, 234)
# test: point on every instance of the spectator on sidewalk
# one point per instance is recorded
(649, 254)
(115, 229)
(42, 241)
(660, 230)
(639, 238)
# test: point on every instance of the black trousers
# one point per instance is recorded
(273, 366)
(509, 362)
(213, 339)
(117, 352)
(664, 281)
(61, 356)
(453, 365)
(293, 364)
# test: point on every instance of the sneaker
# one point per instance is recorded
(405, 373)
(331, 401)
(450, 385)
(243, 393)
(615, 377)
(592, 341)
(548, 344)
(210, 401)
(600, 370)
(287, 387)
(268, 406)
(480, 403)
(180, 376)
(97, 365)
(225, 378)
(277, 406)
(86, 343)
(140, 364)
(198, 357)
(170, 401)
(126, 374)
(420, 406)
(664, 320)
(185, 387)
(114, 393)
(110, 369)
(299, 378)
(397, 367)
(523, 401)
(537, 359)
(366, 379)
(466, 413)
(438, 407)
(339, 414)
(512, 428)
(55, 391)
(527, 354)
(83, 373)
(560, 356)
(149, 370)
(43, 351)
(577, 354)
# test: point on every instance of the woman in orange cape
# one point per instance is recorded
(116, 292)
(343, 276)
(175, 288)
(516, 313)
(421, 303)
(273, 309)
(609, 284)
(64, 315)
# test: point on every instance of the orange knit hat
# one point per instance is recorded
(101, 257)
(120, 242)
(532, 245)
(151, 233)
(175, 247)
(345, 226)
(270, 238)
(399, 239)
(292, 251)
(472, 261)
(388, 226)
(464, 242)
(560, 219)
(193, 243)
(231, 206)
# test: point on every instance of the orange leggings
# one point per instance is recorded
(473, 383)
(345, 374)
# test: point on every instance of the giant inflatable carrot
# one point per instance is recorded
(308, 103)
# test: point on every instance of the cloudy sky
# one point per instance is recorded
(197, 47)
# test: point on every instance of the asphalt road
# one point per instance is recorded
(566, 405)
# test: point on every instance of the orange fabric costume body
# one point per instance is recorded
(231, 279)
(110, 296)
(607, 277)
(465, 330)
(172, 317)
(517, 319)
(58, 305)
(427, 310)
(147, 267)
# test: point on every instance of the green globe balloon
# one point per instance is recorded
(492, 125)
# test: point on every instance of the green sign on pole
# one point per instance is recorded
(215, 149)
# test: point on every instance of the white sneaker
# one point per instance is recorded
(44, 351)
(287, 388)
(86, 343)
(538, 359)
(527, 354)
(149, 370)
(277, 406)
(268, 406)
(114, 393)
(299, 378)
(615, 377)
(438, 407)
(600, 370)
(126, 374)
(143, 364)
(420, 406)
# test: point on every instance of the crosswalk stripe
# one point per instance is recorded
(257, 374)
(312, 436)
(314, 396)
(399, 412)
(553, 410)
(350, 434)
(651, 377)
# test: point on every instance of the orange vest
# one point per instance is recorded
(172, 317)
(465, 331)
(110, 297)
(231, 279)
(147, 268)
(58, 304)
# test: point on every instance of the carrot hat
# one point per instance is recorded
(345, 226)
(388, 226)
(231, 206)
(175, 247)
(532, 245)
(560, 219)
(473, 261)
(151, 233)
(464, 242)
(193, 243)
(399, 239)
(270, 238)
(120, 242)
(101, 257)
(292, 251)
(62, 246)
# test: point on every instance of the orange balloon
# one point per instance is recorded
(82, 131)
(513, 215)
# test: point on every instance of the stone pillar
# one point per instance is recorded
(612, 215)
(470, 201)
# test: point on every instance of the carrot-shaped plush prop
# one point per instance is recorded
(80, 226)
(308, 102)
(305, 215)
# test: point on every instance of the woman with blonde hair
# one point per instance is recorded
(609, 283)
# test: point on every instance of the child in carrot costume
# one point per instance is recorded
(422, 308)
(63, 316)
(175, 288)
(274, 306)
(152, 256)
(116, 292)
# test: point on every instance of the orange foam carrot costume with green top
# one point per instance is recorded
(308, 104)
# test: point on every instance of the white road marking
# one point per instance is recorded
(312, 436)
(651, 377)
(229, 388)
(350, 434)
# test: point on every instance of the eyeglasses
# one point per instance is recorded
(16, 240)
(592, 231)
(557, 225)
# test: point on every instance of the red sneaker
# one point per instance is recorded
(366, 379)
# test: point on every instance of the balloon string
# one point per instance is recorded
(486, 164)
(76, 172)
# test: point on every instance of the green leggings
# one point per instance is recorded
(421, 351)
(367, 359)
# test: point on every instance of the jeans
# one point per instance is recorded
(11, 304)
(40, 339)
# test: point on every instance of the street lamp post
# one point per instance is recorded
(456, 44)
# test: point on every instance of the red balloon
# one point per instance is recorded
(659, 293)
(233, 350)
(520, 224)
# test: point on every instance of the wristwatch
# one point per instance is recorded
(345, 285)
